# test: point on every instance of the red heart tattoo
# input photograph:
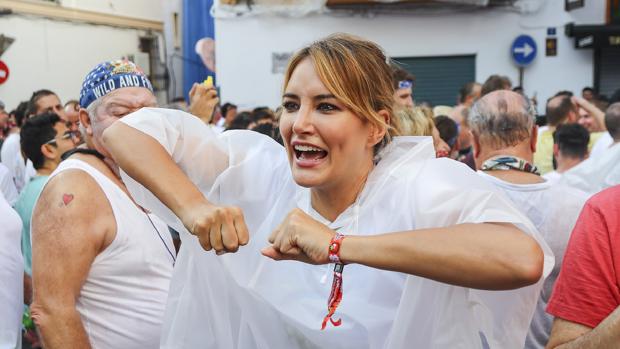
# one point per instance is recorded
(67, 198)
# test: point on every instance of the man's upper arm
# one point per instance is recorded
(67, 235)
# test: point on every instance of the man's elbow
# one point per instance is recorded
(47, 313)
(41, 314)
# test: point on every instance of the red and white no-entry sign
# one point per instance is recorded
(4, 72)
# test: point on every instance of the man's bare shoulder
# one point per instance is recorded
(73, 201)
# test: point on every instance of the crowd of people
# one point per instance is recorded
(203, 225)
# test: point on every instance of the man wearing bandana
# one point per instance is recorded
(504, 141)
(101, 265)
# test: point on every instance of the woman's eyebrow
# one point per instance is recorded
(324, 96)
(317, 97)
(290, 95)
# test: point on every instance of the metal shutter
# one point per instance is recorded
(438, 79)
(609, 70)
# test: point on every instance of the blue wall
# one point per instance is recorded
(197, 24)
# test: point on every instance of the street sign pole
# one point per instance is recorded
(523, 50)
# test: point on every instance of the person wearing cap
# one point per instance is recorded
(101, 265)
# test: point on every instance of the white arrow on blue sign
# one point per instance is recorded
(523, 50)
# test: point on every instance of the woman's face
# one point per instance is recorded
(327, 144)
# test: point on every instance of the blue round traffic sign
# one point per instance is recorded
(523, 50)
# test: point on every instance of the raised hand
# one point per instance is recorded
(300, 237)
(203, 100)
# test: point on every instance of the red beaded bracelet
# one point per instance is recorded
(334, 248)
(336, 294)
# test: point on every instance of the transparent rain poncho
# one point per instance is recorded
(245, 300)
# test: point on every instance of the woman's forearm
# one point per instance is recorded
(484, 256)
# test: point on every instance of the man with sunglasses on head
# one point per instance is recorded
(403, 89)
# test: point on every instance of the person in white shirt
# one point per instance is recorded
(7, 185)
(504, 140)
(570, 148)
(20, 169)
(11, 156)
(596, 174)
(340, 171)
(11, 277)
(601, 145)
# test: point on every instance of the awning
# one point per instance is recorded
(594, 36)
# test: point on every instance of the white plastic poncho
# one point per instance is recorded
(245, 300)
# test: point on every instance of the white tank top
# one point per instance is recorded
(123, 299)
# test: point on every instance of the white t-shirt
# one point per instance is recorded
(7, 185)
(552, 176)
(245, 300)
(553, 209)
(601, 146)
(595, 174)
(11, 157)
(11, 276)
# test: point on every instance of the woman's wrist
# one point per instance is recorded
(349, 249)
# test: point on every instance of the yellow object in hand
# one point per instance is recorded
(208, 81)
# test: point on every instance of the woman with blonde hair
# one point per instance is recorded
(340, 172)
(413, 122)
(418, 121)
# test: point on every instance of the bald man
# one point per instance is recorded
(504, 141)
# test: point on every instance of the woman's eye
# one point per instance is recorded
(290, 106)
(326, 107)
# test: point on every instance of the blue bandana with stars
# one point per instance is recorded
(109, 76)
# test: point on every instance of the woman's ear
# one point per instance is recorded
(377, 133)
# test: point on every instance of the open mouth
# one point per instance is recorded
(309, 153)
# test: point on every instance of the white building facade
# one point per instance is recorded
(245, 45)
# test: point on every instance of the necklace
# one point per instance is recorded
(94, 152)
(162, 239)
(68, 153)
(506, 162)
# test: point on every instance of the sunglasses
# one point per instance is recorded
(405, 84)
(66, 135)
